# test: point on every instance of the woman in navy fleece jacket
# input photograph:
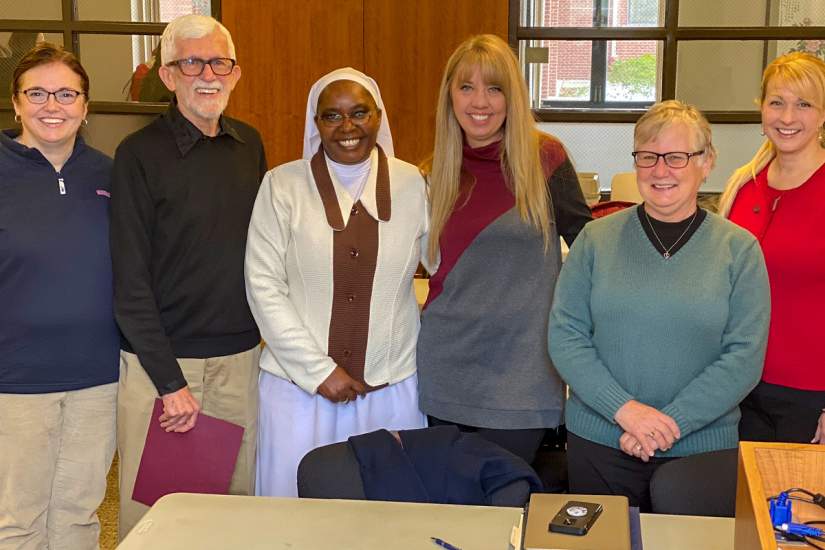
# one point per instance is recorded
(58, 338)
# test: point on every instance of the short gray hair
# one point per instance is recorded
(190, 26)
(663, 114)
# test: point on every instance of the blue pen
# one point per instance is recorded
(444, 544)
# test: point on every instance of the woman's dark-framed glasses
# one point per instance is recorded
(333, 119)
(193, 66)
(674, 159)
(39, 96)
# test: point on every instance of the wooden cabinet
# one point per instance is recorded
(283, 46)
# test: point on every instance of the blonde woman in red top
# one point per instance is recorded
(780, 197)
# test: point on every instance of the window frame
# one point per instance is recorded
(598, 72)
(598, 87)
(670, 34)
(72, 28)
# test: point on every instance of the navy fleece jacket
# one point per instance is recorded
(57, 328)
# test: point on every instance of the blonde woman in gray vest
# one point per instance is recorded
(502, 194)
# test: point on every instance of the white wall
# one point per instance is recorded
(38, 9)
(606, 148)
(105, 132)
(722, 13)
(719, 75)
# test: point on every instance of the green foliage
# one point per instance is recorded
(575, 91)
(638, 74)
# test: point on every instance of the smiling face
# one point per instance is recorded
(480, 108)
(201, 99)
(791, 122)
(353, 139)
(670, 193)
(50, 126)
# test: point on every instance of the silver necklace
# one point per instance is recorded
(666, 253)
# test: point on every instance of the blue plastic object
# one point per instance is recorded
(799, 529)
(781, 515)
(780, 509)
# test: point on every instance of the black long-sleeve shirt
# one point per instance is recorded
(570, 211)
(181, 203)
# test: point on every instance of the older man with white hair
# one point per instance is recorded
(183, 191)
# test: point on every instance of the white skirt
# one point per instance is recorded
(292, 422)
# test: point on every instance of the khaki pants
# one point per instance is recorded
(226, 388)
(55, 452)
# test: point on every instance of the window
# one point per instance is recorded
(595, 73)
(606, 74)
(643, 13)
(114, 40)
(607, 60)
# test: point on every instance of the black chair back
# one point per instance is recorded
(331, 471)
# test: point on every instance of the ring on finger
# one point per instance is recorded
(638, 447)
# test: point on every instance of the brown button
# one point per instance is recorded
(354, 210)
(347, 353)
(756, 209)
(353, 252)
(350, 297)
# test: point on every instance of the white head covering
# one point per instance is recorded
(312, 139)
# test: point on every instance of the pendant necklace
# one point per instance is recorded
(666, 253)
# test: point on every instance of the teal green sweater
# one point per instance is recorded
(685, 335)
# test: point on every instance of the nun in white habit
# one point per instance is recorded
(334, 241)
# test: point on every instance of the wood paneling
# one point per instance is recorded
(283, 46)
(407, 44)
(766, 469)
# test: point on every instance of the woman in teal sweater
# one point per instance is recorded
(659, 320)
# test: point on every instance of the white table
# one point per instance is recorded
(213, 522)
(663, 532)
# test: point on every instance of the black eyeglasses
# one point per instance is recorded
(193, 66)
(674, 159)
(39, 96)
(333, 119)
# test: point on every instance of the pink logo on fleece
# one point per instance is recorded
(104, 193)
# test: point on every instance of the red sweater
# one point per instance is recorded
(789, 225)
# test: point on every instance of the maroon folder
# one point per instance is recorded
(199, 461)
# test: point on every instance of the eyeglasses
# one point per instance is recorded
(333, 119)
(193, 66)
(674, 159)
(39, 96)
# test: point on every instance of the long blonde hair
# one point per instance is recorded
(804, 74)
(520, 161)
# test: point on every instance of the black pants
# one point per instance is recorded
(779, 413)
(596, 469)
(522, 443)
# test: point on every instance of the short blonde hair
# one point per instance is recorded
(190, 26)
(666, 113)
(521, 163)
(804, 75)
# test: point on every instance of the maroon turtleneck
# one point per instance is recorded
(483, 197)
